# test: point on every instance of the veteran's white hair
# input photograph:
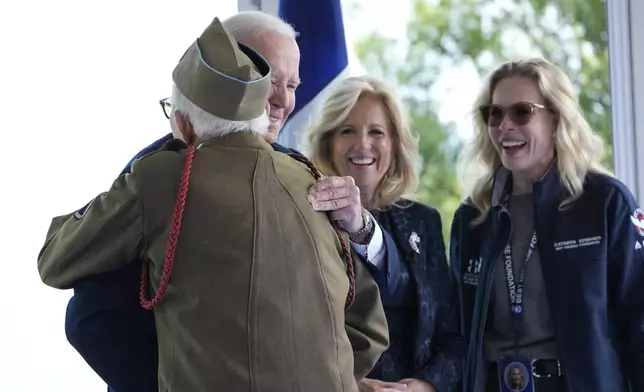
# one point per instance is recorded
(207, 126)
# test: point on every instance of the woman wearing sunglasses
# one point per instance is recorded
(548, 249)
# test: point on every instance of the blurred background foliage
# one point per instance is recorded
(483, 33)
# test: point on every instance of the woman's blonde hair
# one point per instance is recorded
(401, 179)
(578, 149)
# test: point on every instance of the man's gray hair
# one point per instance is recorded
(207, 126)
(247, 24)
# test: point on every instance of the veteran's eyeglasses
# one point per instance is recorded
(521, 113)
(166, 106)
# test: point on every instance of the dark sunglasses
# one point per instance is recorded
(520, 113)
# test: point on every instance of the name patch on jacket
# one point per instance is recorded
(578, 243)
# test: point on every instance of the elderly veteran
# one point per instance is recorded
(252, 290)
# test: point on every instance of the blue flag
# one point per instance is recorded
(323, 53)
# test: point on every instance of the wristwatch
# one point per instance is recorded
(367, 230)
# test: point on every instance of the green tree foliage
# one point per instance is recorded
(484, 33)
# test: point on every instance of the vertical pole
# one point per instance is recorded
(626, 62)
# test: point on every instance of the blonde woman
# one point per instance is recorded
(362, 132)
(547, 250)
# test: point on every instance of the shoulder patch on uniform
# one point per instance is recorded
(638, 221)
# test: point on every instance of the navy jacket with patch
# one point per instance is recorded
(592, 258)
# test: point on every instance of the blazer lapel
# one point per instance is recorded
(410, 240)
(405, 234)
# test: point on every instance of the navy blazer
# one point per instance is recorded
(417, 233)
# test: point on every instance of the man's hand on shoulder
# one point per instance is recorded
(341, 197)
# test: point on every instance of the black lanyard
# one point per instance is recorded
(515, 288)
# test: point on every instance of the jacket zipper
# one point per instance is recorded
(553, 318)
(486, 298)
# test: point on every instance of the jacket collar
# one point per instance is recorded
(238, 139)
(403, 226)
(279, 148)
(502, 186)
(546, 191)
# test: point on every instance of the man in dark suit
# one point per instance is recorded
(105, 322)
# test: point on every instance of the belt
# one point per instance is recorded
(546, 368)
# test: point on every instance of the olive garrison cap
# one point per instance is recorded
(224, 77)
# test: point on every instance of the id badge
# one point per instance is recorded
(515, 375)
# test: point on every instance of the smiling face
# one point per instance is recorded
(283, 54)
(362, 146)
(521, 128)
(516, 376)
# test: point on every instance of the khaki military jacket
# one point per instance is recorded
(256, 301)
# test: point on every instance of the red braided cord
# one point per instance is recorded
(176, 227)
(172, 240)
(351, 296)
(351, 273)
